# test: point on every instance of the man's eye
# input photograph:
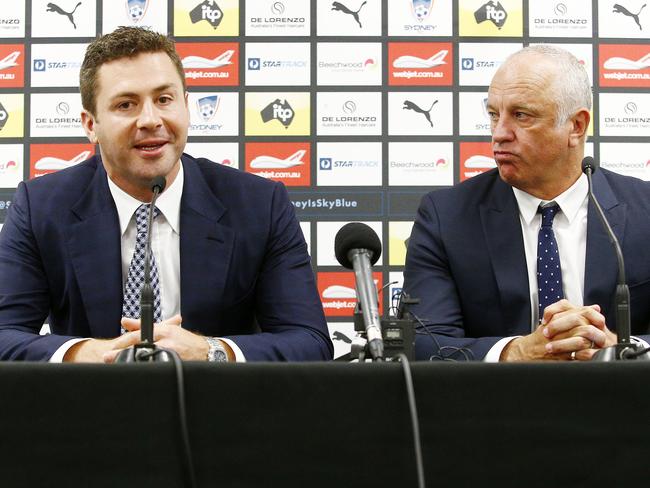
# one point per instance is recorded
(125, 105)
(165, 99)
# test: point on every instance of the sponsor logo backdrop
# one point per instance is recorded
(359, 107)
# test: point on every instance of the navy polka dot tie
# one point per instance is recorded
(549, 272)
(135, 279)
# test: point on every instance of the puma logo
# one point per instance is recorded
(52, 7)
(340, 336)
(619, 9)
(338, 6)
(408, 105)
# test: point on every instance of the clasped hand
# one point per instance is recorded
(566, 332)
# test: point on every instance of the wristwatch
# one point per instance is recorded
(216, 351)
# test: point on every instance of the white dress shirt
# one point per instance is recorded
(165, 245)
(570, 228)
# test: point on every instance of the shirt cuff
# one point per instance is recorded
(494, 353)
(239, 356)
(57, 357)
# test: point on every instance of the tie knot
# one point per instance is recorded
(548, 213)
(141, 215)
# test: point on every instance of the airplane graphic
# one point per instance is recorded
(339, 291)
(479, 161)
(200, 62)
(50, 163)
(10, 61)
(415, 62)
(270, 162)
(628, 64)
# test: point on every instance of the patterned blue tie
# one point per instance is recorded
(135, 279)
(549, 272)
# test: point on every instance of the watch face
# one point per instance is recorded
(220, 356)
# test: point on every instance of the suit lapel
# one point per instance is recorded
(95, 252)
(600, 262)
(505, 246)
(205, 249)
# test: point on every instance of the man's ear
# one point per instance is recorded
(88, 123)
(579, 125)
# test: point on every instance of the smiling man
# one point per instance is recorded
(514, 265)
(233, 279)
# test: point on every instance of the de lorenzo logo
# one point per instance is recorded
(209, 11)
(53, 7)
(349, 107)
(39, 65)
(277, 8)
(279, 110)
(4, 116)
(620, 9)
(135, 9)
(62, 108)
(492, 11)
(254, 64)
(339, 7)
(207, 107)
(630, 108)
(325, 164)
(421, 9)
(560, 10)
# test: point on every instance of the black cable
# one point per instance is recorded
(410, 394)
(182, 414)
(635, 354)
(463, 350)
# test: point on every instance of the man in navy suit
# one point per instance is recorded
(474, 251)
(235, 280)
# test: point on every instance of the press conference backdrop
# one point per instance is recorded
(358, 106)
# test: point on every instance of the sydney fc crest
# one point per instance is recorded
(135, 9)
(421, 8)
(207, 107)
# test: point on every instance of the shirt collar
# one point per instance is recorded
(569, 201)
(169, 203)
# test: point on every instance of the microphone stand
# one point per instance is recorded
(625, 349)
(146, 350)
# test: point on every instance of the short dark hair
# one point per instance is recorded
(123, 42)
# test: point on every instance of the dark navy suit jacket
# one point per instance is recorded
(466, 262)
(245, 270)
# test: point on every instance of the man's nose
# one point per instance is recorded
(149, 116)
(502, 130)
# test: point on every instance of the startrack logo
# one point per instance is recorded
(492, 12)
(279, 110)
(207, 11)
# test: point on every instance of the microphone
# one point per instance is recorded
(625, 349)
(357, 247)
(145, 350)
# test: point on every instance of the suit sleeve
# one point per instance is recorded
(288, 307)
(24, 290)
(429, 276)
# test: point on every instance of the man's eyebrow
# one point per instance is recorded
(157, 89)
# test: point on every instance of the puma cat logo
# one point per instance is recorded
(408, 105)
(619, 9)
(52, 7)
(338, 6)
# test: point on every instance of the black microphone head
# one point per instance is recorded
(160, 182)
(356, 235)
(588, 163)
